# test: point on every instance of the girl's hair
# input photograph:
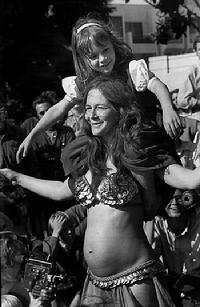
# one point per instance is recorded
(118, 93)
(98, 33)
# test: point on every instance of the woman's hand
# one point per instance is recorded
(172, 123)
(9, 174)
(23, 148)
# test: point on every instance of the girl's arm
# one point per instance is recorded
(171, 120)
(55, 190)
(142, 79)
(180, 177)
(53, 114)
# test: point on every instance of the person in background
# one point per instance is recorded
(8, 300)
(188, 100)
(47, 148)
(10, 138)
(65, 247)
(39, 106)
(13, 253)
(176, 241)
(98, 51)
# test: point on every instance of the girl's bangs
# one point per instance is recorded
(93, 37)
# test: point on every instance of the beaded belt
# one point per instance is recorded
(147, 270)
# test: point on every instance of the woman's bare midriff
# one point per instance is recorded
(115, 240)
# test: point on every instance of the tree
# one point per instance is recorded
(35, 38)
(174, 17)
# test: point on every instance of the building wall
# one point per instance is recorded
(138, 11)
(143, 14)
(172, 69)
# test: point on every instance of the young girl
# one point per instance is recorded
(122, 269)
(97, 51)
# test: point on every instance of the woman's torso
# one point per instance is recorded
(114, 238)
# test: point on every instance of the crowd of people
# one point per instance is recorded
(99, 192)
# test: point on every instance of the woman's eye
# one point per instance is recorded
(92, 56)
(101, 108)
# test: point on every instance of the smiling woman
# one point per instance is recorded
(101, 115)
(122, 268)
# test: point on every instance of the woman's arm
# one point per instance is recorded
(180, 177)
(55, 190)
(150, 197)
(53, 114)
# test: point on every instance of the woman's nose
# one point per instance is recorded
(101, 58)
(93, 113)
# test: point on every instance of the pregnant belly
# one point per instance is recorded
(110, 247)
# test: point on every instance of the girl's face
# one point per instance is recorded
(102, 59)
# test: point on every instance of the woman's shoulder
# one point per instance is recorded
(72, 156)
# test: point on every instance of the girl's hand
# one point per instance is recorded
(172, 123)
(23, 148)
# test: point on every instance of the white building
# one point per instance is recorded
(136, 20)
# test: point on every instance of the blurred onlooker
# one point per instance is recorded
(176, 241)
(64, 248)
(40, 105)
(188, 100)
(48, 145)
(186, 144)
(47, 148)
(8, 300)
(10, 138)
(13, 253)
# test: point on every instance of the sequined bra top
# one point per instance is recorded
(116, 189)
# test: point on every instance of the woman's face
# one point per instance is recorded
(102, 59)
(101, 115)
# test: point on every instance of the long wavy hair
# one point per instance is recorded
(84, 40)
(118, 93)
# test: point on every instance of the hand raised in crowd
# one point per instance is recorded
(57, 224)
(172, 123)
(35, 302)
(23, 148)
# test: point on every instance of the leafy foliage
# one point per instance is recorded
(35, 40)
(174, 16)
